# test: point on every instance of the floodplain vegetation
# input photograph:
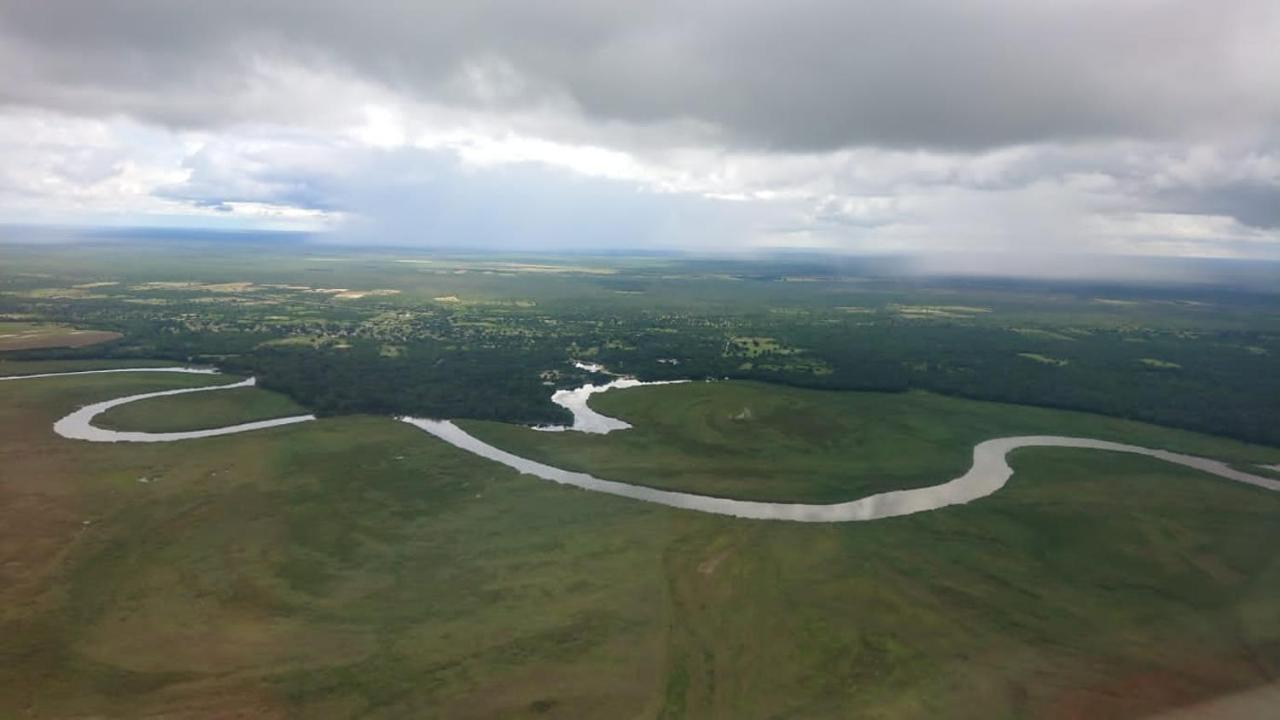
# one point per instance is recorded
(199, 411)
(356, 567)
(754, 441)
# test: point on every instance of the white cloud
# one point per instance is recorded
(290, 133)
(1047, 198)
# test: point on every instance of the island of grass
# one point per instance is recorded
(199, 411)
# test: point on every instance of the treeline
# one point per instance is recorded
(1225, 382)
(424, 381)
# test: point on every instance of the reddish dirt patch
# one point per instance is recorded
(41, 518)
(209, 701)
(1151, 691)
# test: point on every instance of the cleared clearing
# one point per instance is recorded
(29, 336)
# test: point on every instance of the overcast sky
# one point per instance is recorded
(1126, 126)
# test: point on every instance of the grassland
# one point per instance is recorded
(355, 567)
(29, 336)
(199, 411)
(762, 442)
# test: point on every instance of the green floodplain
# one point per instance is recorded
(199, 411)
(356, 567)
(761, 442)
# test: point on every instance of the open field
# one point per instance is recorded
(30, 336)
(355, 567)
(760, 442)
(200, 411)
(351, 568)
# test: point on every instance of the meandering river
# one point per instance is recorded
(989, 472)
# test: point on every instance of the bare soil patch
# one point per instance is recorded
(46, 336)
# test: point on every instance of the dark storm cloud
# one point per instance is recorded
(800, 75)
(1253, 204)
(425, 198)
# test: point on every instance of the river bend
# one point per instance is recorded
(989, 472)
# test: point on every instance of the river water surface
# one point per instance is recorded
(989, 472)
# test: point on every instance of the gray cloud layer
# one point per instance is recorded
(1006, 125)
(801, 75)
